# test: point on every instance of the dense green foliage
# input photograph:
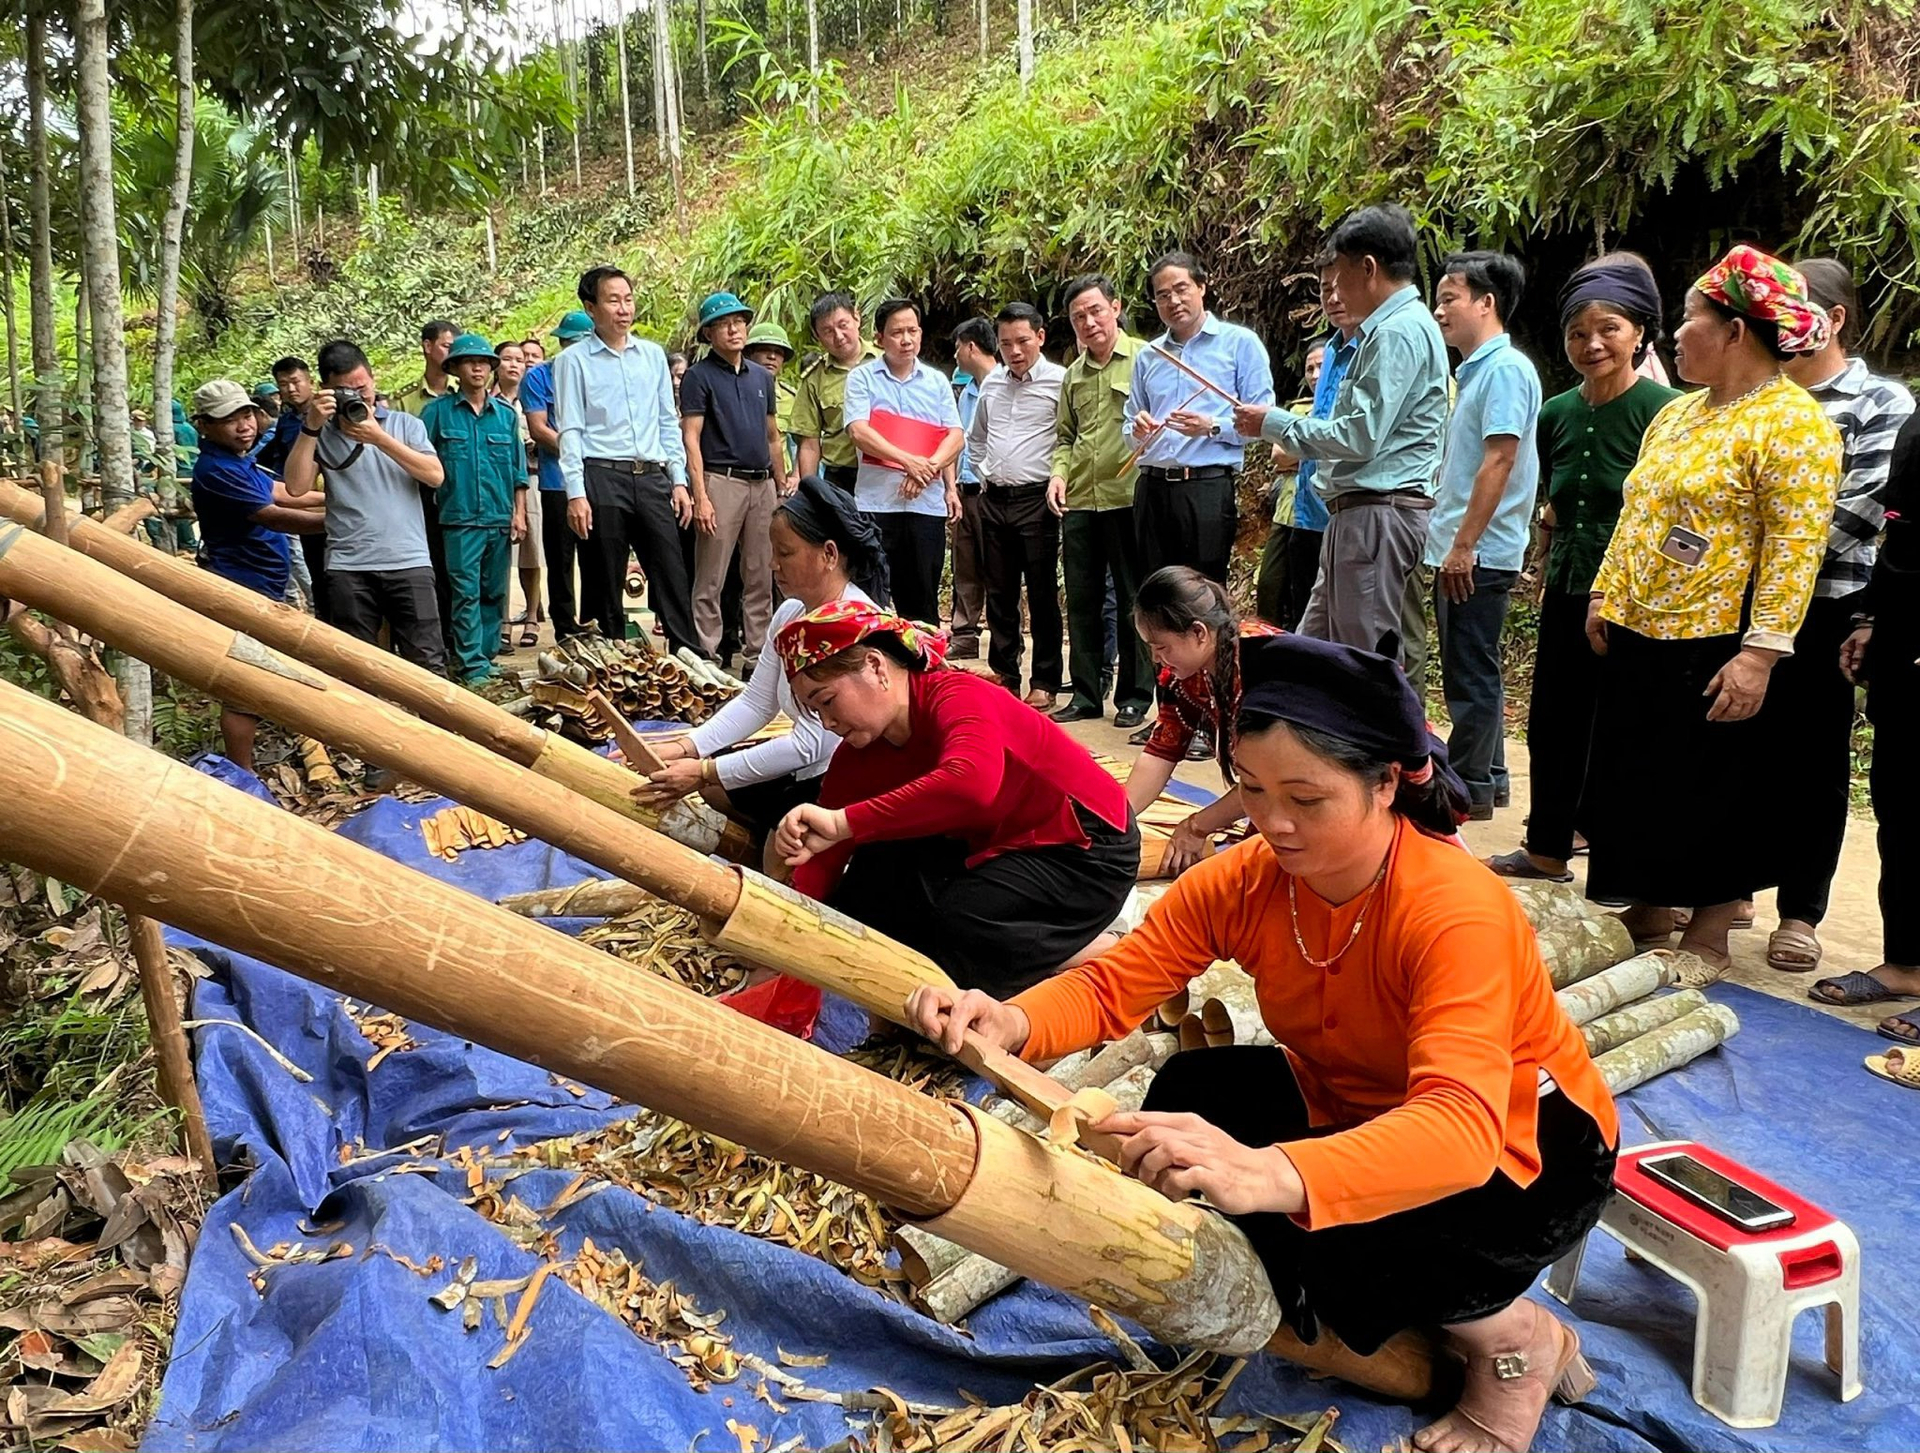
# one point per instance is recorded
(1243, 127)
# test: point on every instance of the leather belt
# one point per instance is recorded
(1400, 499)
(628, 466)
(751, 476)
(1010, 486)
(1181, 475)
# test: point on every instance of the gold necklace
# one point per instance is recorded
(1359, 920)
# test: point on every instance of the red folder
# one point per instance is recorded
(915, 436)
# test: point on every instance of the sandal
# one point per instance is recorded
(1897, 1066)
(1569, 1380)
(1793, 952)
(1695, 970)
(1910, 1022)
(1517, 864)
(1850, 989)
(530, 636)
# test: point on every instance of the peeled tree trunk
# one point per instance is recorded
(134, 826)
(100, 251)
(167, 323)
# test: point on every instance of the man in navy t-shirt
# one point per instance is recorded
(245, 517)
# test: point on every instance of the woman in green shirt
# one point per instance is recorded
(1589, 438)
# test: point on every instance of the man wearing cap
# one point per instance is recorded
(769, 346)
(819, 407)
(295, 381)
(623, 461)
(482, 501)
(736, 461)
(379, 571)
(245, 517)
(561, 527)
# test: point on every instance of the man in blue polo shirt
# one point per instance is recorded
(561, 530)
(737, 466)
(245, 518)
(1483, 509)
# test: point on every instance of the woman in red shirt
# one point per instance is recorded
(954, 818)
(1430, 1131)
(1194, 633)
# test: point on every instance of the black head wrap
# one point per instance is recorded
(1627, 286)
(1347, 693)
(821, 512)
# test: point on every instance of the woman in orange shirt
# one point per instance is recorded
(1431, 1132)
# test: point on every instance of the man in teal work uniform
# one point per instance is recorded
(483, 510)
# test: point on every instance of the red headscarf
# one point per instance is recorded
(1755, 285)
(839, 624)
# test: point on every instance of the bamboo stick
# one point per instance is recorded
(1667, 1048)
(1610, 1031)
(755, 919)
(437, 700)
(1621, 984)
(169, 1040)
(261, 881)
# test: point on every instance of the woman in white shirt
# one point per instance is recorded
(824, 549)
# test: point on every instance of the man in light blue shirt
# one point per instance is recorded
(901, 416)
(1483, 509)
(1183, 507)
(622, 454)
(1380, 447)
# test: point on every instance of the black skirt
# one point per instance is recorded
(1674, 804)
(761, 805)
(1453, 1260)
(1002, 926)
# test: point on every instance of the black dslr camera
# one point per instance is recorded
(350, 406)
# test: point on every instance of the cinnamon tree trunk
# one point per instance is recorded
(99, 811)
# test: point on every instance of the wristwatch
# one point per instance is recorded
(1214, 432)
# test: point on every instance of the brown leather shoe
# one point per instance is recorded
(1041, 700)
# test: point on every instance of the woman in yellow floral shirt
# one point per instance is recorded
(1702, 588)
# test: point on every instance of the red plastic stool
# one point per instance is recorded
(1749, 1285)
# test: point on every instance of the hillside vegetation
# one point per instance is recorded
(1239, 128)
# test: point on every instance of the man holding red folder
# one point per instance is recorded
(901, 416)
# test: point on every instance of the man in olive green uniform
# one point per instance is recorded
(818, 422)
(483, 509)
(1092, 489)
(769, 346)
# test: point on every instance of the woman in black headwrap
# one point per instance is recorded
(1428, 1132)
(1589, 438)
(824, 549)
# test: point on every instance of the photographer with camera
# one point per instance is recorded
(376, 460)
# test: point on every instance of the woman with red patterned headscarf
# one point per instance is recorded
(1703, 586)
(953, 818)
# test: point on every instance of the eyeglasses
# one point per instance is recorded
(1178, 290)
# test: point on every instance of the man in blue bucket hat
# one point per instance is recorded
(737, 466)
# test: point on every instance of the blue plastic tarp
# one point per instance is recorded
(351, 1355)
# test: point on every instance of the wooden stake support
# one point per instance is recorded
(180, 846)
(432, 698)
(171, 1057)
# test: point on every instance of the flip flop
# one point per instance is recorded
(1517, 864)
(1855, 988)
(1793, 952)
(1912, 1021)
(1896, 1066)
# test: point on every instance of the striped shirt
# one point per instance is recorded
(1868, 410)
